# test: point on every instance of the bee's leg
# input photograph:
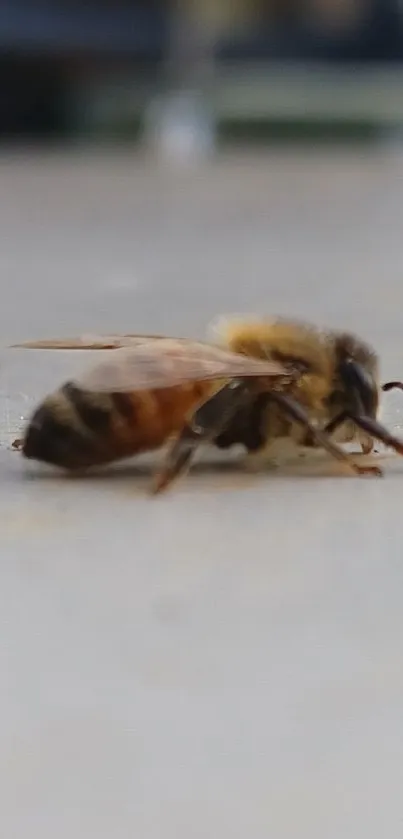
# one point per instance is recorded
(177, 459)
(392, 386)
(378, 431)
(366, 441)
(330, 428)
(208, 421)
(362, 396)
(247, 427)
(335, 423)
(298, 414)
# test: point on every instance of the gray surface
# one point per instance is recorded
(225, 661)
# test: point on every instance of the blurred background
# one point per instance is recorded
(70, 69)
(233, 85)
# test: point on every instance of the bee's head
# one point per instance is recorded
(357, 373)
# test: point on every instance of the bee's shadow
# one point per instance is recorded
(232, 469)
(141, 469)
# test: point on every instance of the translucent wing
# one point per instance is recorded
(169, 362)
(88, 342)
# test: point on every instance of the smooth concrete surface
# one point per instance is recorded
(225, 661)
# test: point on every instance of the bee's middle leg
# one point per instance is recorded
(208, 421)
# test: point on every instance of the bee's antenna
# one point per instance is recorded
(392, 386)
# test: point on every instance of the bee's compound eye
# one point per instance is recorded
(359, 380)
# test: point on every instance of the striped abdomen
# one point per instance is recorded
(75, 428)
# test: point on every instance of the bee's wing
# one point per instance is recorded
(168, 362)
(88, 342)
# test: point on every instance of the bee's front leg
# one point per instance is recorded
(322, 438)
(208, 421)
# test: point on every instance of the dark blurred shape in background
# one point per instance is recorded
(79, 68)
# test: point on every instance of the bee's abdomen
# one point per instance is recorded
(75, 428)
(93, 411)
(55, 435)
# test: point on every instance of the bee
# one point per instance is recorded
(339, 388)
(154, 390)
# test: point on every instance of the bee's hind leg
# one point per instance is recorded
(208, 421)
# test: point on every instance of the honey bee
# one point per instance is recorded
(339, 388)
(154, 388)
